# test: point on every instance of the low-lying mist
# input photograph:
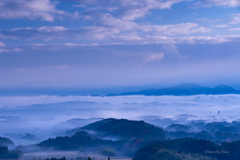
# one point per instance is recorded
(28, 120)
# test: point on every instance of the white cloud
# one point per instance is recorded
(109, 20)
(108, 35)
(235, 19)
(59, 32)
(209, 3)
(17, 49)
(230, 3)
(97, 33)
(30, 9)
(2, 44)
(80, 5)
(130, 9)
(51, 29)
(4, 50)
(133, 9)
(169, 42)
(221, 26)
(234, 29)
(127, 37)
(115, 29)
(171, 48)
(183, 28)
(155, 57)
(190, 39)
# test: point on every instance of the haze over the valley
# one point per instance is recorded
(45, 116)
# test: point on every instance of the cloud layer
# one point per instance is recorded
(30, 9)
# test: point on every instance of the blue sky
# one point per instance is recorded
(118, 43)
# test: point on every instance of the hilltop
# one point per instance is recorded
(122, 128)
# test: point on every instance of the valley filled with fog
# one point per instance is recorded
(29, 120)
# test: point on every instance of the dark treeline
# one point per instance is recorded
(53, 158)
(189, 147)
(6, 154)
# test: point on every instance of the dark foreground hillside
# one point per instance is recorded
(83, 141)
(188, 148)
(6, 154)
(197, 140)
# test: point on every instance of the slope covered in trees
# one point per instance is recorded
(203, 149)
(122, 128)
(6, 154)
(6, 142)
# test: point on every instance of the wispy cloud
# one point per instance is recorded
(131, 9)
(209, 20)
(59, 32)
(210, 3)
(2, 48)
(184, 28)
(155, 57)
(29, 9)
(2, 44)
(234, 29)
(171, 48)
(116, 32)
(235, 19)
(124, 25)
(221, 26)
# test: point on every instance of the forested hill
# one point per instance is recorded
(122, 128)
(185, 89)
(7, 142)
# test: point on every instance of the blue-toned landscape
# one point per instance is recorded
(119, 80)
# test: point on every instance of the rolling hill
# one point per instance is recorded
(123, 129)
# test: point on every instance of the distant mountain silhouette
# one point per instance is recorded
(185, 89)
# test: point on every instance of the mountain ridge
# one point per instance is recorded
(184, 89)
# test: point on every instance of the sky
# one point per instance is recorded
(91, 44)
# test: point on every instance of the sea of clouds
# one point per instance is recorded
(42, 115)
